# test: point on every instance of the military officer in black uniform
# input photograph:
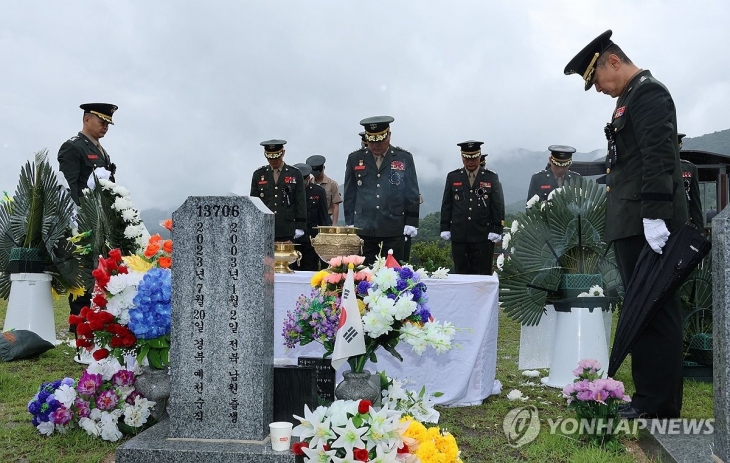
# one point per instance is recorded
(281, 188)
(472, 212)
(83, 154)
(645, 201)
(79, 157)
(691, 188)
(316, 216)
(381, 192)
(554, 175)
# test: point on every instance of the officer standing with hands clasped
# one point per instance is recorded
(381, 192)
(78, 158)
(281, 188)
(316, 216)
(544, 182)
(644, 202)
(472, 212)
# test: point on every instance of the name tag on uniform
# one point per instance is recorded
(263, 182)
(545, 187)
(457, 184)
(359, 167)
(92, 156)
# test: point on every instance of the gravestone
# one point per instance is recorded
(721, 330)
(222, 338)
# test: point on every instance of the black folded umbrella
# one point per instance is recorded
(656, 277)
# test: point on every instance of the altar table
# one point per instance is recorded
(465, 374)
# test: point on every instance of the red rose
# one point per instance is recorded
(99, 300)
(123, 269)
(75, 319)
(360, 454)
(115, 254)
(100, 354)
(81, 342)
(105, 316)
(404, 449)
(111, 265)
(84, 311)
(83, 329)
(364, 406)
(129, 341)
(116, 342)
(296, 448)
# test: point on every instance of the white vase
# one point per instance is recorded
(30, 305)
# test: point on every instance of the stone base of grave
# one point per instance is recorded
(153, 445)
(677, 448)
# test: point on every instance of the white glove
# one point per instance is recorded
(100, 173)
(656, 233)
(494, 237)
(298, 233)
(446, 235)
(410, 231)
(350, 226)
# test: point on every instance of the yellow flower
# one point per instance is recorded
(76, 292)
(137, 263)
(361, 305)
(317, 278)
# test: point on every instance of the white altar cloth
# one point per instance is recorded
(465, 374)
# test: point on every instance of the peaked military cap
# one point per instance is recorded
(584, 63)
(316, 161)
(305, 169)
(104, 111)
(376, 127)
(561, 155)
(471, 149)
(362, 136)
(273, 148)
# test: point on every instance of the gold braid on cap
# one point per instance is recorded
(588, 75)
(471, 154)
(101, 116)
(273, 154)
(377, 136)
(560, 163)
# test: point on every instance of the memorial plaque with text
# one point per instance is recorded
(325, 375)
(222, 319)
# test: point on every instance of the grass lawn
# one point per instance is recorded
(478, 429)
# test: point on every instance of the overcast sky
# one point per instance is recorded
(200, 84)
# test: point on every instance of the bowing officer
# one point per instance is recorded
(555, 174)
(472, 213)
(83, 154)
(691, 188)
(334, 198)
(316, 216)
(281, 188)
(381, 192)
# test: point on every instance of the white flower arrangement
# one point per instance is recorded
(123, 204)
(516, 394)
(531, 202)
(531, 373)
(593, 291)
(419, 405)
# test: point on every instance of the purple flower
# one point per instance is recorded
(362, 287)
(123, 378)
(392, 296)
(406, 273)
(107, 400)
(61, 415)
(34, 407)
(82, 408)
(133, 395)
(68, 382)
(401, 285)
(36, 420)
(423, 312)
(88, 384)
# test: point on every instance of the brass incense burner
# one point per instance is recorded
(285, 253)
(337, 241)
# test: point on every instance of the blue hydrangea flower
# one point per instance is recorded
(150, 317)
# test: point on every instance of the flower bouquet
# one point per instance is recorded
(393, 305)
(103, 402)
(427, 445)
(348, 430)
(595, 398)
(130, 309)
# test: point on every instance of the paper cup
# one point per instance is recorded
(280, 435)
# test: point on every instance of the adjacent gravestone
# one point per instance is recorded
(721, 330)
(222, 346)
